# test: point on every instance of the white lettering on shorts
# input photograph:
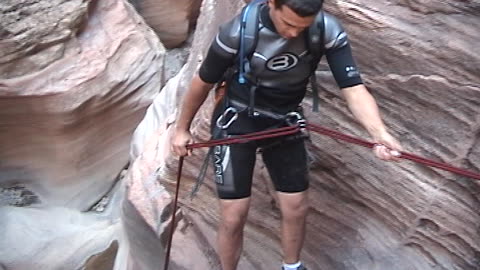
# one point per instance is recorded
(220, 162)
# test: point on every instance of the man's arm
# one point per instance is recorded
(363, 106)
(191, 103)
(360, 101)
(220, 56)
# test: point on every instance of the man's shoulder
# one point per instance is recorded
(229, 33)
(331, 22)
(334, 33)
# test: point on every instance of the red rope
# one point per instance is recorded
(404, 155)
(334, 134)
(340, 136)
(174, 211)
(440, 165)
(271, 133)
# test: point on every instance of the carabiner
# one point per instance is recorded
(295, 118)
(220, 120)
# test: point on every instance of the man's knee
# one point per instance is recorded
(234, 214)
(293, 206)
(232, 223)
(296, 212)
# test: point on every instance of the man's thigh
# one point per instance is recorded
(233, 170)
(287, 165)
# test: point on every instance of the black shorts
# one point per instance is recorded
(284, 157)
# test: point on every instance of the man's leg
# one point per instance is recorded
(230, 233)
(287, 165)
(294, 208)
(233, 174)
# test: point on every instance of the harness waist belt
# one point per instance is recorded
(257, 111)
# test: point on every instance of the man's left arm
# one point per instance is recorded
(364, 107)
(360, 101)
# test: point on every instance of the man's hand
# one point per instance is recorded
(365, 109)
(192, 101)
(179, 142)
(387, 147)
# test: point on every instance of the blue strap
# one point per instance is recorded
(252, 36)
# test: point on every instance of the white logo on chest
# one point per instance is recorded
(282, 62)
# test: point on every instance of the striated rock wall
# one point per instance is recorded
(418, 59)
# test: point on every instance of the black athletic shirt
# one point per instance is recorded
(280, 65)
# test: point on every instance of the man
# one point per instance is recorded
(279, 70)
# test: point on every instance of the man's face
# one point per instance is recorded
(287, 22)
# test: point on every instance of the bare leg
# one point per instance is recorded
(230, 233)
(294, 208)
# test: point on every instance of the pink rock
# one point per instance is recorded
(172, 20)
(68, 119)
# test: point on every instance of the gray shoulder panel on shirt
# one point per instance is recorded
(228, 38)
(334, 35)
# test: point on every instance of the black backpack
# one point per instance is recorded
(249, 36)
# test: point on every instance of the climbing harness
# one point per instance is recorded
(228, 117)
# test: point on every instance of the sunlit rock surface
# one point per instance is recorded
(419, 60)
(172, 20)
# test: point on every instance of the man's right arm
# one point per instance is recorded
(192, 101)
(219, 58)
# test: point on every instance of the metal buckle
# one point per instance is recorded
(295, 118)
(220, 121)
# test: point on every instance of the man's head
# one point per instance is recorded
(291, 17)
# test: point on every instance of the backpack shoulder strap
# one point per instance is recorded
(316, 46)
(316, 37)
(248, 36)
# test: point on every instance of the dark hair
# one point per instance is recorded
(302, 8)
